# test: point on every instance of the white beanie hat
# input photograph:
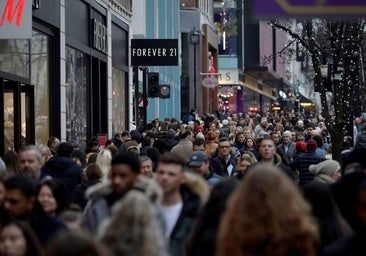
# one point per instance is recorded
(327, 167)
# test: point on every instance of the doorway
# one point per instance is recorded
(17, 102)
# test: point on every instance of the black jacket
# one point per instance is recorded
(64, 170)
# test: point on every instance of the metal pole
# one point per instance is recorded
(194, 74)
(136, 96)
(144, 96)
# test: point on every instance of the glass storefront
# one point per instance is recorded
(77, 73)
(118, 100)
(14, 57)
(40, 60)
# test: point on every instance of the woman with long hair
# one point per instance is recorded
(133, 228)
(267, 215)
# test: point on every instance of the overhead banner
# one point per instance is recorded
(154, 52)
(15, 19)
(292, 8)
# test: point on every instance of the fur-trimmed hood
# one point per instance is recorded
(197, 185)
(147, 185)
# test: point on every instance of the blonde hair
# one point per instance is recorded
(133, 228)
(104, 159)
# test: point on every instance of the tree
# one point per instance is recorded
(338, 45)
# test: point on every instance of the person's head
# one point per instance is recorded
(75, 243)
(104, 161)
(11, 160)
(199, 162)
(93, 172)
(53, 143)
(272, 210)
(146, 166)
(18, 239)
(65, 149)
(125, 136)
(239, 137)
(187, 135)
(169, 173)
(250, 142)
(286, 137)
(20, 196)
(211, 136)
(199, 144)
(267, 149)
(311, 145)
(224, 147)
(246, 159)
(329, 167)
(30, 161)
(133, 229)
(275, 137)
(46, 153)
(125, 169)
(52, 196)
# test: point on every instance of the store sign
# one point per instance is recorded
(100, 36)
(154, 52)
(210, 82)
(282, 8)
(228, 76)
(16, 19)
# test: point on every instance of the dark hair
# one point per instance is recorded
(58, 191)
(11, 161)
(33, 245)
(129, 159)
(65, 149)
(185, 134)
(172, 158)
(71, 243)
(22, 183)
(224, 139)
(93, 172)
(199, 142)
(92, 158)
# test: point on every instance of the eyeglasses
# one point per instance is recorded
(224, 147)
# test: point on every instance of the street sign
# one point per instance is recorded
(210, 82)
(333, 8)
(154, 52)
(15, 19)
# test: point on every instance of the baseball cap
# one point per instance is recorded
(197, 158)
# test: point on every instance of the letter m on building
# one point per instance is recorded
(10, 12)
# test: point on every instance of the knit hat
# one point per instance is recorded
(327, 167)
(300, 147)
(311, 145)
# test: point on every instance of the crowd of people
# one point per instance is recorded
(237, 184)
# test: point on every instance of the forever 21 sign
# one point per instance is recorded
(154, 52)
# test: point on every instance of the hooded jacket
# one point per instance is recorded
(195, 193)
(64, 170)
(99, 205)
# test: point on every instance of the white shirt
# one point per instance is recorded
(171, 214)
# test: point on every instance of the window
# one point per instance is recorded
(118, 100)
(77, 73)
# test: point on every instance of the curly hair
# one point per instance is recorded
(133, 228)
(267, 215)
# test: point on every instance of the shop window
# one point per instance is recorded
(118, 100)
(40, 60)
(77, 73)
(14, 57)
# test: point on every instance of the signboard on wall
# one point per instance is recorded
(281, 8)
(154, 52)
(15, 19)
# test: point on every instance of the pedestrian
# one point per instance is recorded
(202, 240)
(327, 171)
(267, 215)
(17, 238)
(133, 228)
(184, 194)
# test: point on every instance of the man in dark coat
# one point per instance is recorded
(267, 151)
(20, 203)
(63, 168)
(304, 160)
(225, 163)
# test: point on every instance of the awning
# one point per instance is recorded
(304, 99)
(268, 75)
